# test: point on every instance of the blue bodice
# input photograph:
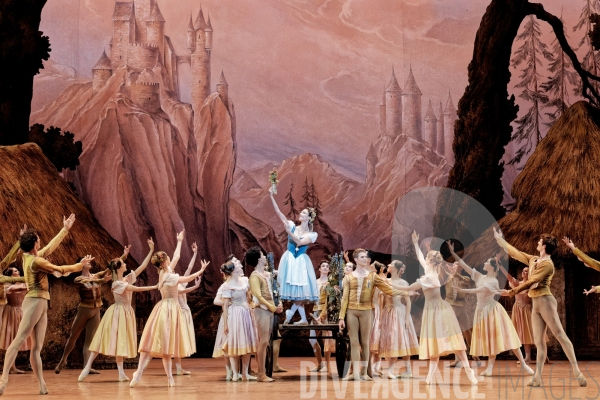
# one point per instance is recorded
(291, 246)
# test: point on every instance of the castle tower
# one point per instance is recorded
(100, 73)
(191, 36)
(382, 115)
(371, 163)
(123, 32)
(209, 33)
(449, 118)
(431, 127)
(441, 148)
(143, 9)
(200, 64)
(155, 31)
(223, 89)
(411, 108)
(393, 108)
(146, 95)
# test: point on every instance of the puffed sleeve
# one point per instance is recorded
(131, 277)
(313, 236)
(429, 281)
(171, 280)
(119, 286)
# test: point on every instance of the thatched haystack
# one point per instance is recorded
(33, 193)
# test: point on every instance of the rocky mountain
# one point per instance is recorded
(52, 79)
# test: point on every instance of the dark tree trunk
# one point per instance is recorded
(22, 48)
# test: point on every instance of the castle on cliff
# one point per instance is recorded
(400, 114)
(139, 42)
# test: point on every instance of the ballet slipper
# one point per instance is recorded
(351, 377)
(123, 378)
(135, 380)
(428, 379)
(390, 376)
(317, 369)
(288, 317)
(279, 369)
(16, 371)
(170, 382)
(527, 369)
(181, 371)
(366, 378)
(43, 388)
(2, 387)
(324, 369)
(582, 380)
(454, 363)
(251, 378)
(301, 322)
(471, 375)
(534, 383)
(486, 373)
(83, 375)
(265, 378)
(94, 372)
(229, 374)
(405, 375)
(59, 367)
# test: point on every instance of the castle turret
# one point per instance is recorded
(100, 73)
(431, 127)
(146, 95)
(441, 148)
(209, 35)
(155, 31)
(449, 118)
(382, 115)
(143, 9)
(123, 32)
(371, 163)
(200, 65)
(411, 108)
(191, 36)
(223, 89)
(393, 108)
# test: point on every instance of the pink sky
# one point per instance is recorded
(305, 75)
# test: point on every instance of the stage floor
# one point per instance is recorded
(208, 382)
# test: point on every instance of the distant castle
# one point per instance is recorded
(400, 114)
(139, 42)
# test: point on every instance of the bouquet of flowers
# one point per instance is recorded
(273, 179)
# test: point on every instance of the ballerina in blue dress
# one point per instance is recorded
(296, 274)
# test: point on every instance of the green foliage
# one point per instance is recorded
(60, 147)
(333, 290)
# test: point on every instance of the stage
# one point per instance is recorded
(208, 381)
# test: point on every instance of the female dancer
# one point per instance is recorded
(380, 270)
(241, 338)
(88, 312)
(398, 335)
(493, 332)
(221, 338)
(13, 314)
(320, 311)
(185, 309)
(165, 334)
(35, 305)
(6, 261)
(296, 275)
(440, 331)
(116, 335)
(357, 300)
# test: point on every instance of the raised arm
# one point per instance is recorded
(191, 288)
(189, 278)
(511, 280)
(276, 207)
(458, 259)
(177, 253)
(100, 277)
(514, 253)
(415, 239)
(55, 242)
(587, 260)
(125, 252)
(134, 288)
(193, 260)
(146, 261)
(40, 264)
(12, 254)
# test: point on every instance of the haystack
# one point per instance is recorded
(33, 193)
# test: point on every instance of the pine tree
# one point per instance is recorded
(316, 203)
(289, 200)
(528, 126)
(307, 200)
(590, 60)
(556, 86)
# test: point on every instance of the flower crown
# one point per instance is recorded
(313, 214)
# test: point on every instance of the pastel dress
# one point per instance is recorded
(11, 318)
(221, 337)
(166, 333)
(187, 315)
(440, 331)
(493, 331)
(398, 337)
(296, 274)
(243, 335)
(117, 333)
(376, 328)
(521, 313)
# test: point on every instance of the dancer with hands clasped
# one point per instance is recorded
(493, 331)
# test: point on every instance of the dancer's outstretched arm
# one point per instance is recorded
(480, 289)
(191, 288)
(41, 264)
(420, 257)
(177, 253)
(511, 280)
(146, 261)
(126, 252)
(514, 253)
(134, 288)
(50, 247)
(587, 260)
(193, 260)
(410, 288)
(458, 259)
(276, 207)
(189, 278)
(100, 277)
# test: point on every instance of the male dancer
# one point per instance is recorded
(544, 313)
(35, 306)
(262, 295)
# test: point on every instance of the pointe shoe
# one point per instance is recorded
(428, 379)
(43, 388)
(471, 375)
(183, 372)
(2, 387)
(279, 369)
(527, 369)
(170, 382)
(135, 380)
(582, 380)
(318, 369)
(351, 377)
(534, 383)
(324, 369)
(265, 378)
(94, 372)
(288, 317)
(229, 374)
(251, 378)
(123, 378)
(486, 373)
(366, 378)
(83, 375)
(59, 367)
(406, 375)
(390, 376)
(301, 322)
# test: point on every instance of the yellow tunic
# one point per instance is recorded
(36, 268)
(351, 300)
(589, 261)
(540, 272)
(259, 286)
